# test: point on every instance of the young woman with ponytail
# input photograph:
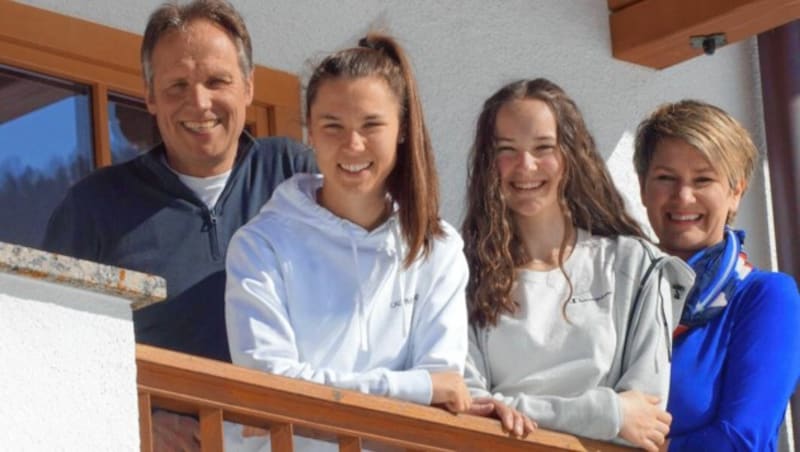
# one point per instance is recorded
(349, 278)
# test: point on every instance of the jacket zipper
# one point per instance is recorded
(212, 231)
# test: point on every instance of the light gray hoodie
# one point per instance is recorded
(566, 372)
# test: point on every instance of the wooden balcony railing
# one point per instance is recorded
(214, 391)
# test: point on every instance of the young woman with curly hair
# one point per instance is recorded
(571, 310)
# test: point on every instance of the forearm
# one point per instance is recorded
(413, 385)
(592, 414)
(261, 336)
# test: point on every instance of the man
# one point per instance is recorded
(172, 211)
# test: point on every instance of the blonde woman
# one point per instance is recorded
(736, 359)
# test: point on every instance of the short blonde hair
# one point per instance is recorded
(717, 135)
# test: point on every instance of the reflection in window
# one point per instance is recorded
(131, 128)
(45, 146)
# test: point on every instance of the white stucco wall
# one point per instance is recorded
(67, 369)
(463, 50)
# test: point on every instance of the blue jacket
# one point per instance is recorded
(732, 378)
(139, 215)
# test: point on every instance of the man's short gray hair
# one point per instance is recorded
(174, 16)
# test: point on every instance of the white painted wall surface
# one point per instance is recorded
(463, 50)
(67, 369)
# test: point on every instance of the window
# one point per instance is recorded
(45, 146)
(131, 128)
(71, 100)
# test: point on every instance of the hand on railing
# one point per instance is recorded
(513, 421)
(450, 392)
(644, 423)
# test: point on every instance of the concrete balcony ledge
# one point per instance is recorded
(67, 348)
(139, 288)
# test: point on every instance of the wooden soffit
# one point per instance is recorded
(658, 33)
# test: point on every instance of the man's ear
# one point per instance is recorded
(149, 99)
(249, 86)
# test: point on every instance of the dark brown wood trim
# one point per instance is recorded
(779, 56)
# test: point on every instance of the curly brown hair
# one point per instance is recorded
(587, 196)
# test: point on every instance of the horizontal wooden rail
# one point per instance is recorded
(213, 390)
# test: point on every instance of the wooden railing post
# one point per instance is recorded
(145, 422)
(280, 436)
(211, 430)
(349, 444)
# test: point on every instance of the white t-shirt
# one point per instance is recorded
(208, 189)
(544, 352)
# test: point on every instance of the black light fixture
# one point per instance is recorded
(709, 43)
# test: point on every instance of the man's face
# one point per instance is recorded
(199, 96)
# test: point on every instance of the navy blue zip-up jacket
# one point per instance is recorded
(138, 215)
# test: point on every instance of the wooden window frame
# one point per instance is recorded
(107, 60)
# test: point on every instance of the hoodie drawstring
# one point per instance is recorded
(401, 279)
(402, 282)
(398, 278)
(362, 320)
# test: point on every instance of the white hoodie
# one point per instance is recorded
(313, 296)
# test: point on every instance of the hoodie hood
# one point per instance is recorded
(296, 201)
(372, 260)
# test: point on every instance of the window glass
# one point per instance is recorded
(132, 129)
(45, 146)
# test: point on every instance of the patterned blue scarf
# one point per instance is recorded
(718, 268)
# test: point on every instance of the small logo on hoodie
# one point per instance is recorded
(407, 300)
(589, 297)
